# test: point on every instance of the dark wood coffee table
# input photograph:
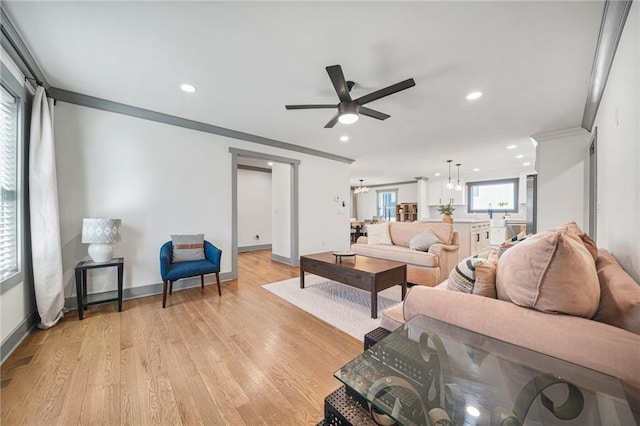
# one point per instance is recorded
(366, 273)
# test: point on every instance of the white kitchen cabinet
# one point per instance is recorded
(475, 237)
(434, 197)
(440, 194)
(458, 197)
(480, 237)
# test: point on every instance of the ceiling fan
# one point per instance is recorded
(349, 109)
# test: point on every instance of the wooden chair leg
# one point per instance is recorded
(202, 281)
(164, 294)
(170, 287)
(218, 281)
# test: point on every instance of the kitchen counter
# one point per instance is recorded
(458, 220)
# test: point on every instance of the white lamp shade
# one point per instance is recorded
(101, 231)
(101, 234)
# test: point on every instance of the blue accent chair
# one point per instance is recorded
(174, 271)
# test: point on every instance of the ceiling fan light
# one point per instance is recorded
(348, 118)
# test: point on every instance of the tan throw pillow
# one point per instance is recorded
(552, 272)
(619, 295)
(423, 241)
(474, 275)
(378, 234)
(589, 244)
(187, 248)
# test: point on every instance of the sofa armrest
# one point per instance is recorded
(361, 240)
(448, 255)
(212, 254)
(585, 342)
(166, 253)
(438, 248)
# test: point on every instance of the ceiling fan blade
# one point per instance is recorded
(332, 122)
(373, 113)
(309, 106)
(339, 83)
(390, 90)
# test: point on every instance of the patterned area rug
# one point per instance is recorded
(344, 307)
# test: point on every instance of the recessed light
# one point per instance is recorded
(519, 156)
(187, 88)
(476, 169)
(512, 146)
(344, 138)
(526, 164)
(474, 95)
(270, 163)
(437, 174)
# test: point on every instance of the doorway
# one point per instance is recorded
(285, 190)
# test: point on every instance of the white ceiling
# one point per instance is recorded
(532, 60)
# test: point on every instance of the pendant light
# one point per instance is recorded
(458, 186)
(361, 189)
(449, 185)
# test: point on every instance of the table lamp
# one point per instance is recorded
(101, 234)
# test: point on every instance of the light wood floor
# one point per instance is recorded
(248, 357)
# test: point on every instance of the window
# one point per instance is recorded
(9, 183)
(387, 204)
(495, 195)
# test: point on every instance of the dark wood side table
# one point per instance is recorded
(81, 283)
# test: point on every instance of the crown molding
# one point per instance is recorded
(559, 134)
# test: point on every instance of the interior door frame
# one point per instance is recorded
(294, 259)
(593, 185)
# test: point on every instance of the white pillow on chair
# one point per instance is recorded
(187, 248)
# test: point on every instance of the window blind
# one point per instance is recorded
(8, 184)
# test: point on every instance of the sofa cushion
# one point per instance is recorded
(552, 272)
(423, 241)
(475, 275)
(619, 295)
(187, 248)
(397, 253)
(402, 232)
(589, 244)
(378, 234)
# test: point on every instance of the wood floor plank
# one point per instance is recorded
(246, 358)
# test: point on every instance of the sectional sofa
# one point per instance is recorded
(555, 293)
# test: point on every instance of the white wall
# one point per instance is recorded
(281, 213)
(17, 301)
(563, 176)
(160, 179)
(324, 222)
(367, 202)
(254, 208)
(618, 224)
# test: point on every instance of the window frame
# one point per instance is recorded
(10, 83)
(391, 217)
(516, 188)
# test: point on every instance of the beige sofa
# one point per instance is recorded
(426, 268)
(609, 343)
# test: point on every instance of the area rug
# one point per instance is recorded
(345, 307)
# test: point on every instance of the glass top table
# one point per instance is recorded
(432, 373)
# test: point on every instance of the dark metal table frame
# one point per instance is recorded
(81, 283)
(366, 273)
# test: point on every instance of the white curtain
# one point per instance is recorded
(45, 218)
